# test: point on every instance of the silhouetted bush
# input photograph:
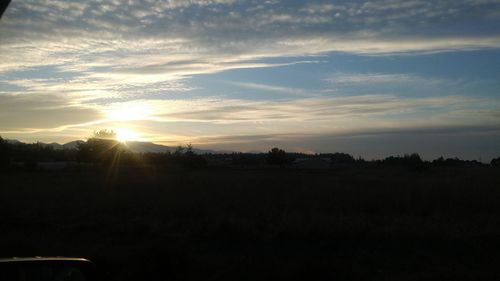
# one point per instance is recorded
(342, 158)
(182, 156)
(454, 162)
(278, 156)
(411, 161)
(407, 159)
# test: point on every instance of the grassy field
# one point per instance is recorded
(365, 223)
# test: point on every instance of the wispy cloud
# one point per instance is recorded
(273, 88)
(345, 111)
(357, 78)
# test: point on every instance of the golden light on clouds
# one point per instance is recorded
(128, 112)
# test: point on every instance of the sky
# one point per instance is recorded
(369, 78)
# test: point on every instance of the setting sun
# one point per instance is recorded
(124, 135)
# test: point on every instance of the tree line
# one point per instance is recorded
(103, 149)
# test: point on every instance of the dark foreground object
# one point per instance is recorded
(47, 269)
(364, 223)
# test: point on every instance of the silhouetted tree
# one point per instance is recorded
(5, 151)
(101, 148)
(188, 158)
(495, 162)
(105, 134)
(360, 160)
(406, 160)
(454, 162)
(278, 156)
(31, 153)
(411, 161)
(342, 158)
(179, 150)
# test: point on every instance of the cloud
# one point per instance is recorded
(33, 113)
(403, 83)
(362, 78)
(272, 88)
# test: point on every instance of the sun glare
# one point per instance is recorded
(124, 135)
(127, 112)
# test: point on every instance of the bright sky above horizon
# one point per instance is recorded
(370, 78)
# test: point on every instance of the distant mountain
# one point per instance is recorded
(71, 144)
(141, 147)
(54, 145)
(12, 141)
(58, 146)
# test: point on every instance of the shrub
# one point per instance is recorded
(278, 156)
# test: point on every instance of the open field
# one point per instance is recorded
(365, 223)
